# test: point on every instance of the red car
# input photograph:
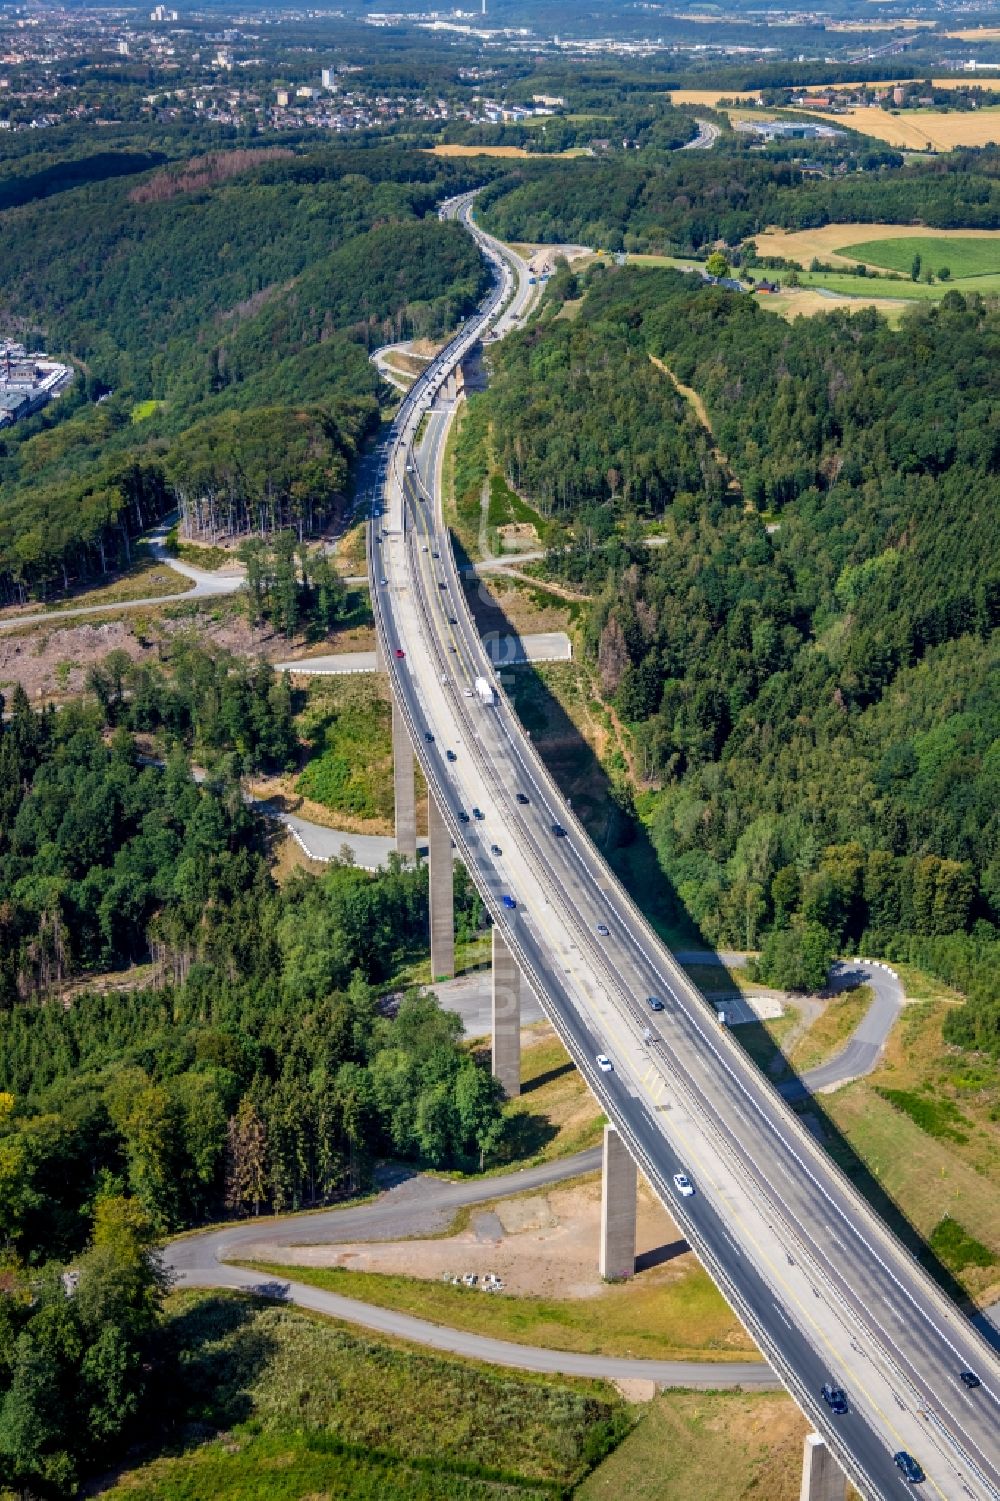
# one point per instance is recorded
(400, 654)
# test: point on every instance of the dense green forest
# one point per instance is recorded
(686, 202)
(259, 1031)
(808, 665)
(228, 304)
(251, 1066)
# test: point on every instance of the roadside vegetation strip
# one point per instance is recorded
(146, 579)
(832, 1028)
(298, 1405)
(924, 1125)
(685, 1320)
(706, 1446)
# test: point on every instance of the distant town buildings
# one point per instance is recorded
(27, 381)
(788, 130)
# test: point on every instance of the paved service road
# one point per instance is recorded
(204, 585)
(426, 1206)
(864, 1047)
(471, 995)
(505, 650)
(824, 1287)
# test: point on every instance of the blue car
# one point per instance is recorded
(509, 901)
(911, 1470)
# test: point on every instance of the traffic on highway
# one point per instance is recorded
(832, 1297)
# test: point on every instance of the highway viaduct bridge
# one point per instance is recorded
(823, 1286)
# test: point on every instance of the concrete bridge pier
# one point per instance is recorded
(404, 787)
(506, 1017)
(618, 1208)
(441, 890)
(822, 1477)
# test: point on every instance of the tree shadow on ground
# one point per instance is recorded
(526, 1135)
(224, 1350)
(625, 844)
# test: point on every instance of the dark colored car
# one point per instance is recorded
(509, 901)
(478, 813)
(969, 1379)
(520, 798)
(428, 737)
(559, 831)
(911, 1470)
(463, 817)
(835, 1398)
(452, 757)
(400, 654)
(654, 1003)
(495, 849)
(442, 584)
(452, 620)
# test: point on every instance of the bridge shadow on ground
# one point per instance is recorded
(761, 1047)
(549, 1077)
(625, 844)
(601, 806)
(660, 1255)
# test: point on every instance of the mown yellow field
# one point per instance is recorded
(456, 148)
(709, 97)
(976, 34)
(804, 302)
(915, 130)
(952, 81)
(802, 244)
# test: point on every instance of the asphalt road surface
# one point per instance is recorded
(864, 1047)
(824, 1287)
(707, 136)
(426, 1206)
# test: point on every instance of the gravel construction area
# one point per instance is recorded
(540, 1245)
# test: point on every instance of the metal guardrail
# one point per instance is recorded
(425, 388)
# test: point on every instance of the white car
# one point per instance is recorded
(604, 1064)
(683, 1185)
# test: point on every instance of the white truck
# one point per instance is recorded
(484, 692)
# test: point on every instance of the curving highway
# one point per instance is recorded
(823, 1286)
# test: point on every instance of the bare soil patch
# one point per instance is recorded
(542, 1245)
(51, 661)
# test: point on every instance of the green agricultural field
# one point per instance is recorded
(278, 1405)
(883, 287)
(963, 256)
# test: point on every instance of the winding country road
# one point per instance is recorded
(421, 1205)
